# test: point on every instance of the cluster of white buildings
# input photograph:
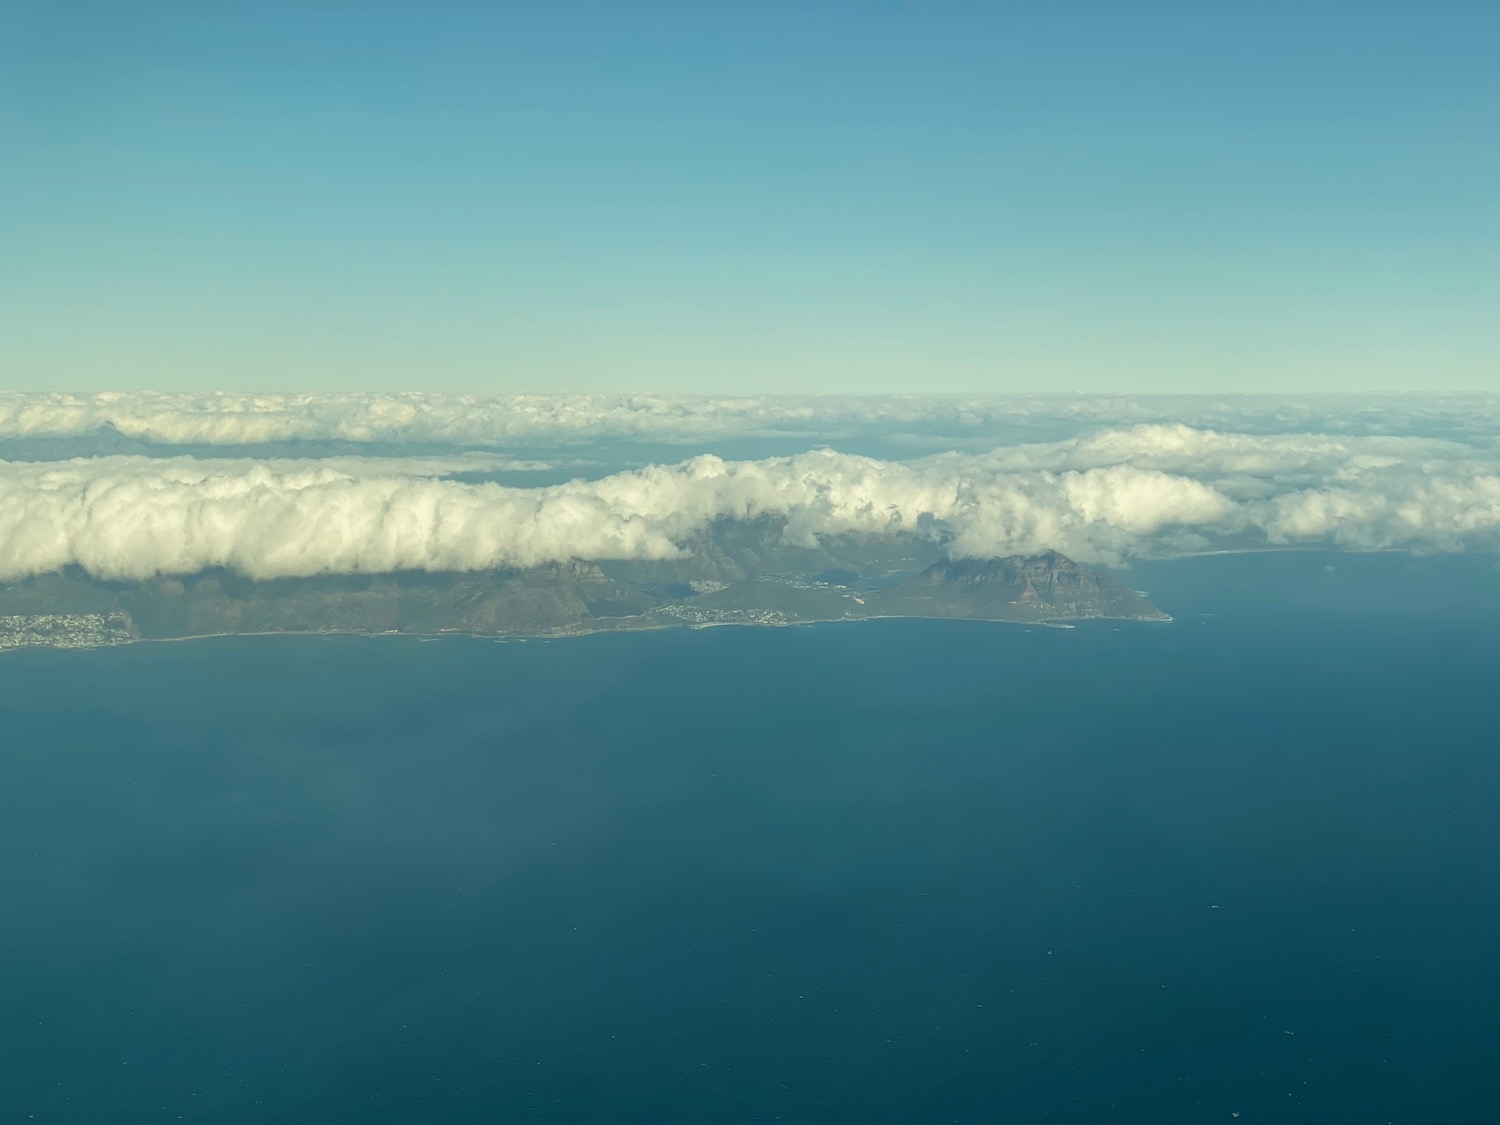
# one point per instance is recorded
(64, 630)
(702, 615)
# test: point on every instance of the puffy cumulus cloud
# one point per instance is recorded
(131, 517)
(1358, 492)
(1434, 513)
(517, 420)
(1143, 490)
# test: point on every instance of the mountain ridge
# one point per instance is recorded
(572, 598)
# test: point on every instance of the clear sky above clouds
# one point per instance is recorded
(723, 198)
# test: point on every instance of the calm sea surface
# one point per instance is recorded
(894, 871)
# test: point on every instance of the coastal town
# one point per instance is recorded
(64, 630)
(701, 615)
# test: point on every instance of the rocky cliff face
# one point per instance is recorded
(1026, 587)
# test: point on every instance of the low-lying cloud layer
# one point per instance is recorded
(520, 420)
(1121, 492)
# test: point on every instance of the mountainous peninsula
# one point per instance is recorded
(743, 576)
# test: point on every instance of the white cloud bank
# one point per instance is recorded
(511, 420)
(1141, 490)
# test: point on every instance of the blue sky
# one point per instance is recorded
(723, 198)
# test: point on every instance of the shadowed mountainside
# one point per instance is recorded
(738, 578)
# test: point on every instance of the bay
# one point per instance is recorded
(885, 871)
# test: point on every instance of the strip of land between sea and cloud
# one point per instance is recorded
(660, 491)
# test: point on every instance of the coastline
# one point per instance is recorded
(577, 631)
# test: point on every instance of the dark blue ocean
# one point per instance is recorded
(900, 871)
